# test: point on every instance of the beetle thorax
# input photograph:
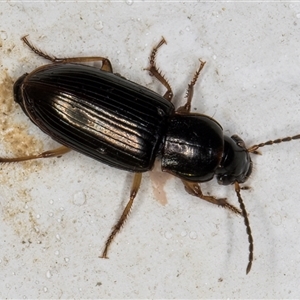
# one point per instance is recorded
(193, 147)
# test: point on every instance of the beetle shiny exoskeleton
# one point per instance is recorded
(128, 126)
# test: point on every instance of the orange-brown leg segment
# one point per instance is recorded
(157, 74)
(186, 108)
(106, 64)
(134, 189)
(248, 229)
(51, 153)
(195, 190)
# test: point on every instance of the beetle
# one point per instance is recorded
(125, 125)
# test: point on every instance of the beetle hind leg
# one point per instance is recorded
(195, 190)
(134, 189)
(106, 64)
(51, 153)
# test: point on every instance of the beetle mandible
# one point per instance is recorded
(127, 126)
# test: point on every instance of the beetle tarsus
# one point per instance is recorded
(232, 208)
(38, 51)
(155, 49)
(134, 189)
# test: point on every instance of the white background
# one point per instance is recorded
(56, 214)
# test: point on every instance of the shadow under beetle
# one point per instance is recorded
(128, 126)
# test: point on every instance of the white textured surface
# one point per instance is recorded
(187, 248)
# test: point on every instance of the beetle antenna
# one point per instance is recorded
(253, 148)
(248, 229)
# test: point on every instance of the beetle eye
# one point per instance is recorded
(240, 144)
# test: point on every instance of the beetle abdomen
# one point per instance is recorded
(97, 113)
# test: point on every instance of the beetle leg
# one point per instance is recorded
(51, 153)
(134, 189)
(157, 74)
(106, 64)
(186, 108)
(195, 190)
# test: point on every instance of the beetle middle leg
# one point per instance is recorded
(106, 64)
(51, 153)
(134, 189)
(157, 74)
(186, 108)
(194, 189)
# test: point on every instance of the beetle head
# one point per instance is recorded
(236, 164)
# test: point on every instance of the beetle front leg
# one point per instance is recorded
(186, 108)
(157, 74)
(195, 190)
(134, 189)
(51, 153)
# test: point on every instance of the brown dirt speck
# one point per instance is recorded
(14, 136)
(16, 141)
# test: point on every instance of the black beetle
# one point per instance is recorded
(128, 126)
